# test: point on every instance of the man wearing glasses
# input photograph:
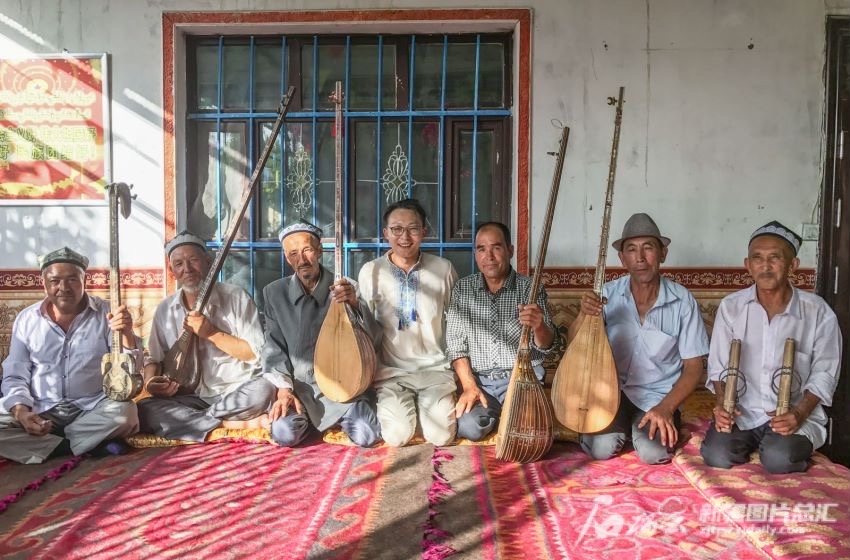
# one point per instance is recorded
(408, 292)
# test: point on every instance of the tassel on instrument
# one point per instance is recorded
(180, 363)
(526, 427)
(586, 387)
(344, 360)
(121, 380)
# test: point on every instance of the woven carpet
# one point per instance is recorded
(234, 501)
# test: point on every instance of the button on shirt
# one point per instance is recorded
(47, 366)
(814, 328)
(232, 310)
(485, 327)
(649, 355)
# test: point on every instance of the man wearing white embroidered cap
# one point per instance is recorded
(762, 317)
(231, 392)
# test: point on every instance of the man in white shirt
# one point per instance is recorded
(658, 339)
(232, 392)
(52, 385)
(762, 317)
(408, 292)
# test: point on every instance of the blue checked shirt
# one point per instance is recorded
(484, 327)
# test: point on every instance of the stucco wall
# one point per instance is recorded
(722, 127)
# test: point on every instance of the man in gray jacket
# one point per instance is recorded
(295, 309)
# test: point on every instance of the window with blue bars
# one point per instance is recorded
(427, 117)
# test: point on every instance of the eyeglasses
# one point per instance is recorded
(413, 231)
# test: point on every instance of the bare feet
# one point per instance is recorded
(261, 421)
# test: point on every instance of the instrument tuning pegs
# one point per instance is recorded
(612, 100)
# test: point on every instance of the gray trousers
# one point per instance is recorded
(610, 441)
(778, 454)
(360, 424)
(84, 430)
(191, 418)
(480, 421)
(429, 392)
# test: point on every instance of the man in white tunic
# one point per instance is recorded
(408, 293)
(762, 317)
(52, 386)
(232, 392)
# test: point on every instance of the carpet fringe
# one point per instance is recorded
(433, 547)
(52, 474)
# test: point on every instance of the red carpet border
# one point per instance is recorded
(52, 474)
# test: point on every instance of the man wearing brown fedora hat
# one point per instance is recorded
(658, 340)
(763, 317)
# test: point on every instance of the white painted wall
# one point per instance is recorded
(722, 126)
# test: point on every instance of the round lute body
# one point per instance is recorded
(344, 360)
(526, 426)
(586, 387)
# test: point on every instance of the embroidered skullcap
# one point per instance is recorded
(778, 230)
(299, 226)
(63, 255)
(640, 225)
(184, 238)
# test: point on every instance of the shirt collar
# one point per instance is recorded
(508, 286)
(665, 293)
(320, 292)
(792, 309)
(414, 267)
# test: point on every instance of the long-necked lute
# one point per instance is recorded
(122, 381)
(180, 363)
(344, 359)
(586, 389)
(526, 427)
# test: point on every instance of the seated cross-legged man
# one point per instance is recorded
(52, 387)
(232, 392)
(296, 307)
(487, 312)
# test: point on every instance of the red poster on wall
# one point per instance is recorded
(54, 130)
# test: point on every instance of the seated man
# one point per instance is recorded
(762, 317)
(486, 315)
(52, 384)
(408, 292)
(231, 392)
(658, 340)
(296, 307)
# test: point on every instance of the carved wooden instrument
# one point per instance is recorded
(180, 363)
(121, 380)
(732, 378)
(526, 426)
(344, 360)
(786, 378)
(586, 388)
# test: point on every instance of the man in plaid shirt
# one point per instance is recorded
(486, 315)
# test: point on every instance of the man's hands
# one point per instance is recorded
(162, 386)
(198, 323)
(344, 292)
(591, 303)
(120, 320)
(468, 398)
(285, 399)
(30, 421)
(660, 422)
(786, 424)
(723, 421)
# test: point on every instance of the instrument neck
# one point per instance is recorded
(599, 279)
(114, 270)
(338, 152)
(233, 227)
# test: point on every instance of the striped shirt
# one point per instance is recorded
(484, 326)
